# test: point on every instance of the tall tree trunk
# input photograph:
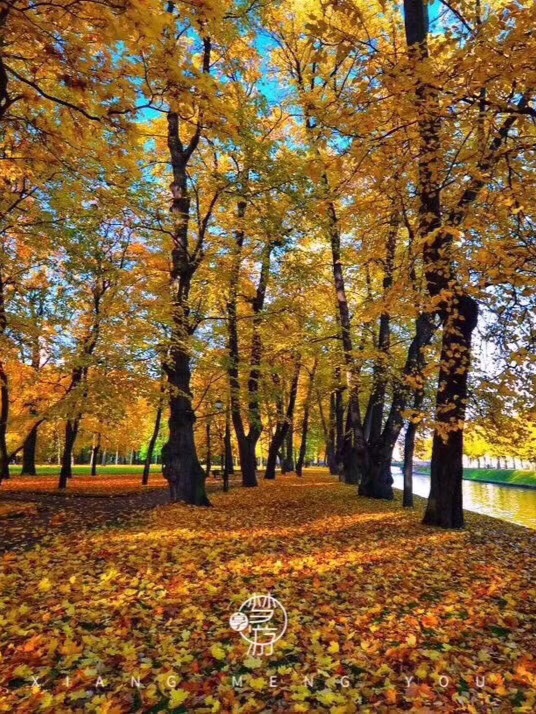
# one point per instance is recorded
(305, 422)
(29, 451)
(382, 451)
(331, 440)
(353, 461)
(338, 406)
(283, 425)
(445, 503)
(247, 440)
(407, 466)
(228, 466)
(271, 459)
(376, 480)
(181, 465)
(4, 390)
(303, 444)
(287, 462)
(4, 415)
(208, 439)
(356, 447)
(78, 382)
(328, 430)
(458, 310)
(375, 410)
(71, 432)
(152, 443)
(248, 461)
(411, 431)
(95, 451)
(30, 443)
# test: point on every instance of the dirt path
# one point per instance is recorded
(68, 514)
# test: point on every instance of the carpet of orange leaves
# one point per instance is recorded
(384, 615)
(17, 510)
(82, 485)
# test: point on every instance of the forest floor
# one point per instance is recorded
(384, 615)
(33, 510)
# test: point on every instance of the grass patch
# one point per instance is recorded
(511, 477)
(85, 470)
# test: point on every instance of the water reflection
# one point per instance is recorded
(517, 505)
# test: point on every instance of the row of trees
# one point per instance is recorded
(279, 206)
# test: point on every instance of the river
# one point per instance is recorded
(510, 503)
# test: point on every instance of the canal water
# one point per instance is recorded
(510, 503)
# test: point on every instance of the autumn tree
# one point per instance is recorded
(51, 90)
(496, 112)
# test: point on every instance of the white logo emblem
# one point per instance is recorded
(261, 621)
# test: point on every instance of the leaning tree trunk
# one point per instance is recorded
(95, 451)
(71, 432)
(228, 466)
(382, 450)
(303, 445)
(409, 437)
(283, 426)
(78, 382)
(151, 446)
(271, 459)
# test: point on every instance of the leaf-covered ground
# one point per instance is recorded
(17, 510)
(384, 614)
(36, 516)
(108, 485)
